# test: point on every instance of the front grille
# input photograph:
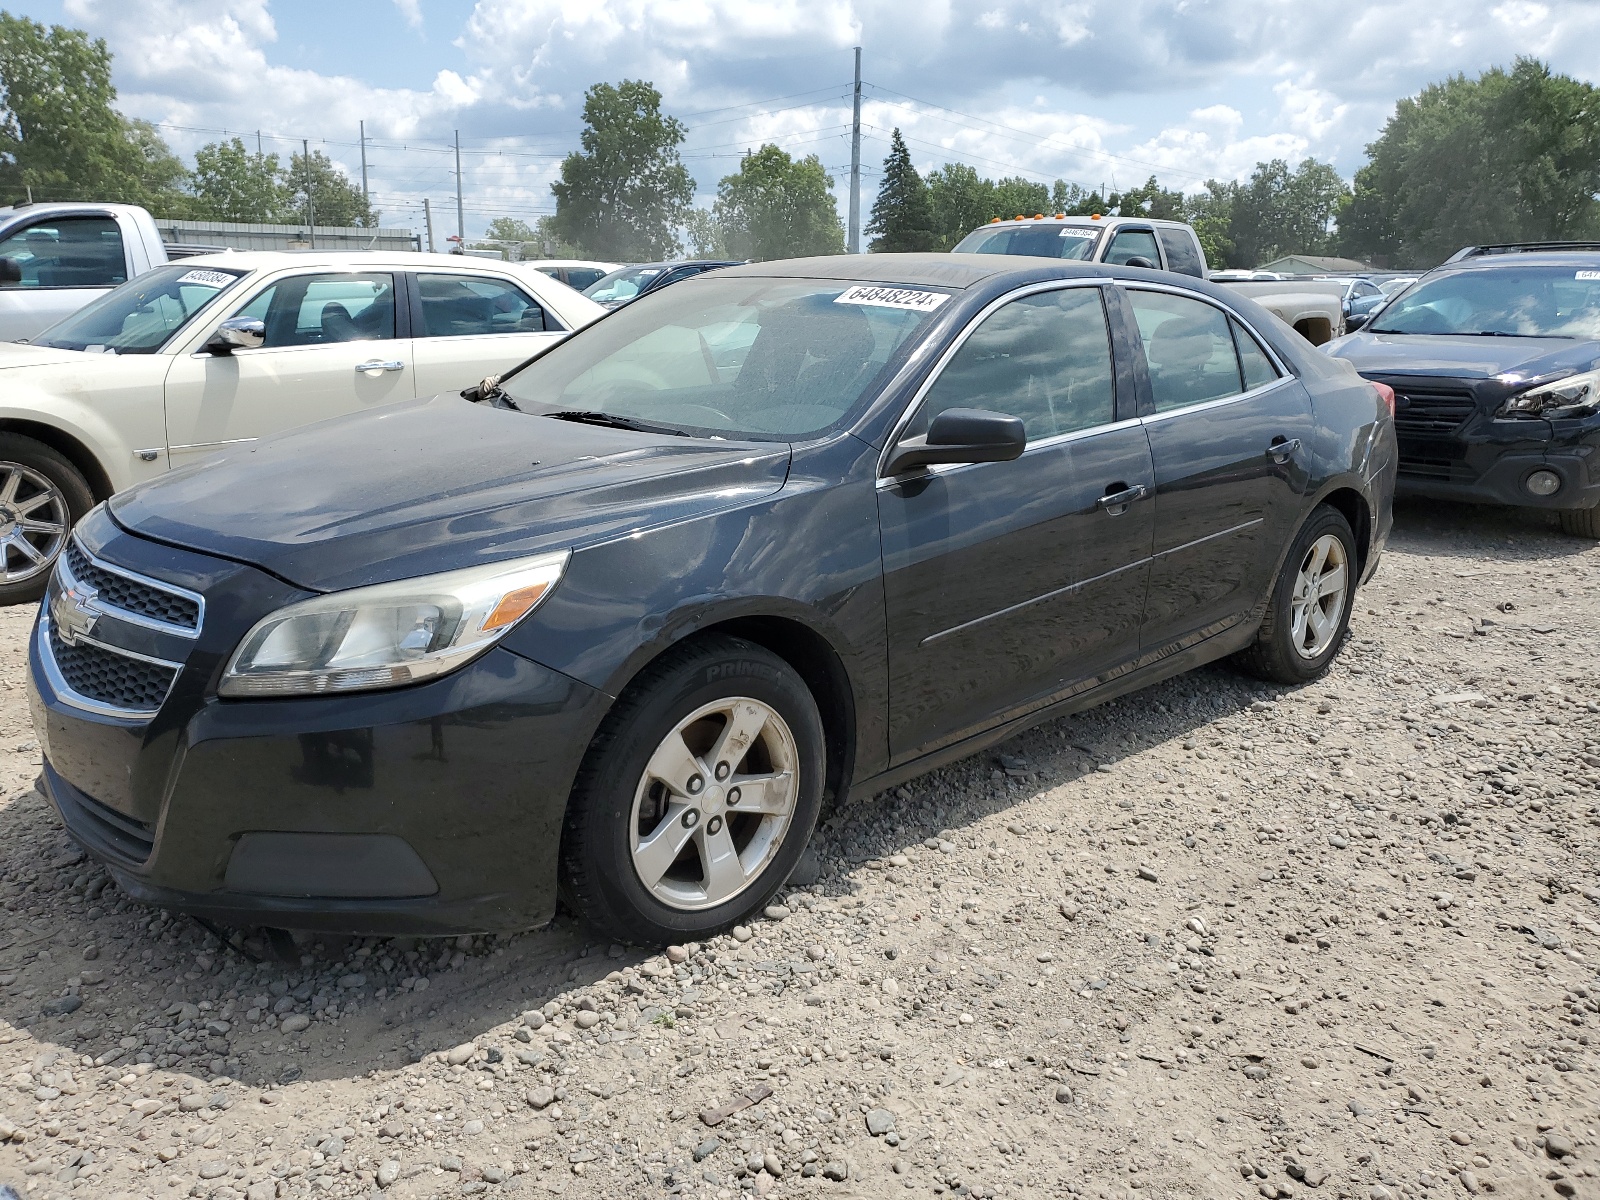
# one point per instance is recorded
(114, 590)
(105, 830)
(111, 678)
(1431, 413)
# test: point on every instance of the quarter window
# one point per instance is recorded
(1188, 347)
(1133, 243)
(1045, 358)
(1182, 254)
(71, 252)
(313, 310)
(1254, 364)
(463, 305)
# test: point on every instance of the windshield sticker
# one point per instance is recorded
(1587, 275)
(209, 278)
(889, 297)
(1080, 233)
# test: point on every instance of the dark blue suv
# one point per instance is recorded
(1494, 359)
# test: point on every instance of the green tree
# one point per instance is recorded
(1016, 196)
(775, 207)
(624, 195)
(510, 229)
(229, 183)
(59, 134)
(335, 200)
(960, 201)
(1279, 211)
(1508, 156)
(902, 218)
(1154, 201)
(1075, 201)
(704, 234)
(1211, 214)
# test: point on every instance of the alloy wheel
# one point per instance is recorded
(33, 522)
(714, 804)
(1320, 589)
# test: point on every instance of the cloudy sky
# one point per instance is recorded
(1090, 90)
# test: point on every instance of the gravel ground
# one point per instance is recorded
(1213, 940)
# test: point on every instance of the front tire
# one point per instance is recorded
(1309, 611)
(42, 496)
(697, 796)
(1581, 522)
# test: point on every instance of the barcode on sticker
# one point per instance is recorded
(890, 297)
(209, 278)
(1587, 275)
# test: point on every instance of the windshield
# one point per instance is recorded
(142, 315)
(622, 285)
(1514, 301)
(747, 358)
(1039, 240)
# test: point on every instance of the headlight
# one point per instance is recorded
(1574, 396)
(390, 634)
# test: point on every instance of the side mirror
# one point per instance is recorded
(962, 435)
(1139, 260)
(1355, 321)
(237, 333)
(10, 271)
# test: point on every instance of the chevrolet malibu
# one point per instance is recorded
(617, 625)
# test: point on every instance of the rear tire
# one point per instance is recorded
(42, 496)
(697, 797)
(1309, 612)
(1581, 522)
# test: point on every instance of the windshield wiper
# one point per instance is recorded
(583, 417)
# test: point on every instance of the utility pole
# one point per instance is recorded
(855, 165)
(311, 204)
(258, 143)
(365, 199)
(427, 216)
(461, 218)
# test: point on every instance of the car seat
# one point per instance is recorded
(337, 323)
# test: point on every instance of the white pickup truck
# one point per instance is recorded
(1313, 308)
(55, 258)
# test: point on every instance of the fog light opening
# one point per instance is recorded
(1542, 483)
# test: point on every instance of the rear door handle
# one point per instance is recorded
(394, 364)
(1283, 449)
(1116, 502)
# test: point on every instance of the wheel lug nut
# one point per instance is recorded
(695, 785)
(691, 818)
(714, 825)
(733, 797)
(723, 771)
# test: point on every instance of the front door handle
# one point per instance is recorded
(1118, 496)
(1283, 449)
(376, 364)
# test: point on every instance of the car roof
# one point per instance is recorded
(569, 262)
(935, 270)
(355, 260)
(1088, 222)
(1527, 258)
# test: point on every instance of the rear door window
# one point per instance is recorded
(1183, 256)
(466, 305)
(70, 252)
(1188, 347)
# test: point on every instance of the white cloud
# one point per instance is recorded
(1088, 89)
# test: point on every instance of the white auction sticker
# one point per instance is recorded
(209, 278)
(1587, 275)
(892, 297)
(1080, 233)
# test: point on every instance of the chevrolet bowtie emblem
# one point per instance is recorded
(73, 614)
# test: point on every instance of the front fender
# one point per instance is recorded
(111, 415)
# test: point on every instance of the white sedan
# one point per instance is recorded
(230, 347)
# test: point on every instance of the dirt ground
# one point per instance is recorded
(1216, 939)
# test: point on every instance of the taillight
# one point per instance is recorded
(1386, 394)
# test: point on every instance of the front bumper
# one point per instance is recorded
(1495, 473)
(433, 809)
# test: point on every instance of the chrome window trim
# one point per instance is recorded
(950, 351)
(66, 695)
(1139, 285)
(1187, 409)
(133, 618)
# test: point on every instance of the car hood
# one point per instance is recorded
(20, 354)
(437, 484)
(1465, 358)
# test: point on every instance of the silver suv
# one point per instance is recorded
(1119, 241)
